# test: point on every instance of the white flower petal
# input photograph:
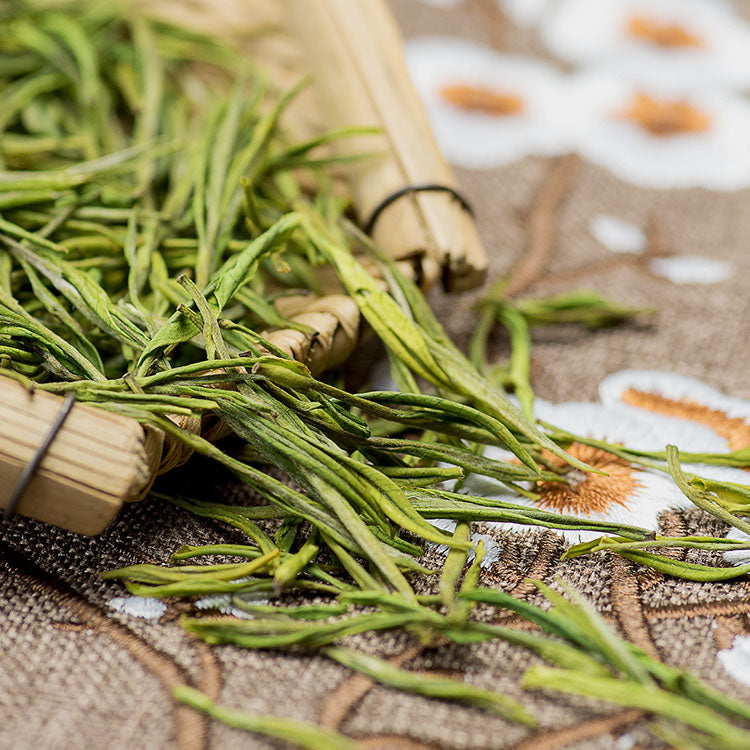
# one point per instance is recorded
(617, 235)
(445, 524)
(138, 606)
(632, 427)
(717, 158)
(492, 550)
(476, 139)
(736, 660)
(526, 13)
(656, 494)
(223, 603)
(592, 31)
(692, 269)
(672, 386)
(738, 556)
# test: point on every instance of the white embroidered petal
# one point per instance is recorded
(526, 13)
(492, 550)
(659, 137)
(617, 235)
(626, 741)
(738, 556)
(479, 132)
(632, 427)
(444, 524)
(736, 660)
(671, 386)
(696, 43)
(223, 604)
(138, 606)
(655, 494)
(692, 269)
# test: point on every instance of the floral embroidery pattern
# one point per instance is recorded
(492, 550)
(687, 399)
(691, 269)
(617, 235)
(687, 43)
(640, 409)
(736, 660)
(651, 102)
(739, 556)
(660, 137)
(137, 606)
(478, 99)
(662, 34)
(665, 117)
(621, 236)
(487, 109)
(590, 493)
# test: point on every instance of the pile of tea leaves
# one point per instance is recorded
(152, 212)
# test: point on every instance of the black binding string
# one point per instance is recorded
(30, 469)
(427, 188)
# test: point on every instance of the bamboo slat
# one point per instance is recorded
(97, 460)
(355, 50)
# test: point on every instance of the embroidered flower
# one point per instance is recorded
(639, 409)
(223, 603)
(696, 42)
(662, 137)
(738, 556)
(709, 417)
(526, 13)
(617, 235)
(492, 549)
(137, 606)
(486, 108)
(736, 660)
(621, 236)
(692, 269)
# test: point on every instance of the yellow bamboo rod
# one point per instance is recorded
(355, 50)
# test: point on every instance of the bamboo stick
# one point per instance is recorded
(335, 320)
(355, 50)
(96, 462)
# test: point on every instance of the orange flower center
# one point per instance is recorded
(589, 493)
(669, 35)
(480, 99)
(733, 429)
(664, 118)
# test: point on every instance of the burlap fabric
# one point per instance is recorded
(76, 672)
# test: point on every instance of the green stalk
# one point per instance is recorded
(432, 687)
(647, 698)
(301, 734)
